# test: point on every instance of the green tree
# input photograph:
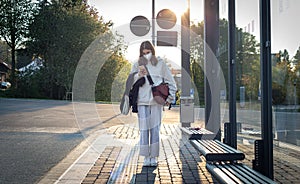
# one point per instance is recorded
(296, 58)
(23, 58)
(15, 18)
(282, 78)
(31, 84)
(248, 65)
(111, 79)
(197, 61)
(296, 72)
(61, 40)
(4, 52)
(251, 76)
(247, 58)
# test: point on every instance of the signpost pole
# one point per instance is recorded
(153, 22)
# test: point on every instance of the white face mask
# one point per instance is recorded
(148, 56)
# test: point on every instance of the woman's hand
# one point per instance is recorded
(142, 71)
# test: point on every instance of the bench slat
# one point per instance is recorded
(220, 147)
(243, 174)
(224, 177)
(236, 173)
(201, 133)
(259, 176)
(228, 172)
(214, 150)
(213, 146)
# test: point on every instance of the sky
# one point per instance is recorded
(285, 32)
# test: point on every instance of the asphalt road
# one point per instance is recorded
(35, 135)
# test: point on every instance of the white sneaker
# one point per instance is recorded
(147, 162)
(153, 161)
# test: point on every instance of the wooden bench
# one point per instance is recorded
(197, 133)
(236, 173)
(216, 151)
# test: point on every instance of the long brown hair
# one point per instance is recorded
(147, 45)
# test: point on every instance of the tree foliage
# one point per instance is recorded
(15, 18)
(197, 61)
(109, 79)
(285, 75)
(247, 59)
(4, 52)
(61, 33)
(61, 40)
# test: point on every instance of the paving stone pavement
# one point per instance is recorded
(114, 158)
(178, 163)
(286, 162)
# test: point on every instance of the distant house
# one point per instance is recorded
(35, 64)
(4, 71)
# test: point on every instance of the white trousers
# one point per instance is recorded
(149, 124)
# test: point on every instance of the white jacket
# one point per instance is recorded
(158, 73)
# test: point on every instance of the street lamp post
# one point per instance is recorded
(295, 91)
(295, 95)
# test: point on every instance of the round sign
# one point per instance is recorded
(140, 26)
(166, 19)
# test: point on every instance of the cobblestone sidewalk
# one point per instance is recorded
(113, 158)
(178, 163)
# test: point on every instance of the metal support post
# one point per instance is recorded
(186, 71)
(266, 80)
(212, 80)
(232, 74)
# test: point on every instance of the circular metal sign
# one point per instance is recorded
(166, 19)
(140, 26)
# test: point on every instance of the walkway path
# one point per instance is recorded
(112, 157)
